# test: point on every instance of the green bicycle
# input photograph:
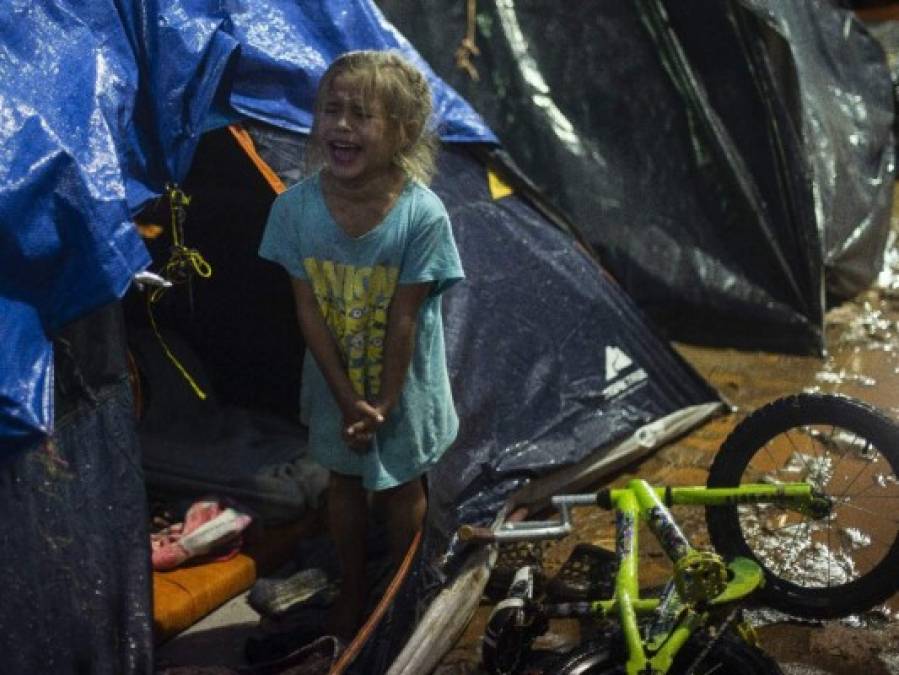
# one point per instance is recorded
(802, 508)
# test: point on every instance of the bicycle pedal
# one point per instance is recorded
(588, 573)
(512, 627)
(511, 557)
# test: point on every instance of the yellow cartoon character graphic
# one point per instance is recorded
(354, 302)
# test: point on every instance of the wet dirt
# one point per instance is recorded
(862, 360)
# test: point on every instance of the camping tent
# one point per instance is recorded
(550, 359)
(731, 161)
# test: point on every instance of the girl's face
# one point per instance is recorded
(358, 140)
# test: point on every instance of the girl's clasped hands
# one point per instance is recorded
(361, 422)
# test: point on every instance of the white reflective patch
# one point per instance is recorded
(616, 361)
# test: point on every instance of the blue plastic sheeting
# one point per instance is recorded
(102, 103)
(290, 43)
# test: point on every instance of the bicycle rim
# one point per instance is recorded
(595, 657)
(847, 450)
(726, 655)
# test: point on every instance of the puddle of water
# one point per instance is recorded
(863, 336)
(891, 661)
(802, 669)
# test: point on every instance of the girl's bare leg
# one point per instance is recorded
(347, 519)
(404, 507)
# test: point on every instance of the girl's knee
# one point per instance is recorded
(405, 493)
(342, 481)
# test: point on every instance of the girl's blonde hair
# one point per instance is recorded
(403, 91)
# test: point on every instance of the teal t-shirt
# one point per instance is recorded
(354, 279)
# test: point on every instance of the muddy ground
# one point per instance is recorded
(862, 361)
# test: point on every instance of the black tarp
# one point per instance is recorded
(725, 158)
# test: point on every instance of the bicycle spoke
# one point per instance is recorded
(797, 550)
(784, 548)
(830, 561)
(767, 449)
(829, 548)
(781, 528)
(851, 445)
(827, 445)
(875, 514)
(864, 494)
(867, 555)
(796, 451)
(860, 472)
(814, 444)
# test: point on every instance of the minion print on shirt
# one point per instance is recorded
(354, 302)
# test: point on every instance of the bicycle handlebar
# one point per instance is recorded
(535, 530)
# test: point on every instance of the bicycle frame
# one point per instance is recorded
(701, 582)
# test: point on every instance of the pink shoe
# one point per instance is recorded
(207, 526)
(201, 511)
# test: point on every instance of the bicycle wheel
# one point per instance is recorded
(849, 451)
(727, 655)
(591, 658)
(508, 637)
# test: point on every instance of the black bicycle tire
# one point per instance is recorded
(506, 646)
(727, 654)
(729, 464)
(595, 657)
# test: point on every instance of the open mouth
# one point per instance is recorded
(343, 153)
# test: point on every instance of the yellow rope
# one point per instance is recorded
(178, 268)
(183, 263)
(171, 357)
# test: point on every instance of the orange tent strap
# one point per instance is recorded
(246, 143)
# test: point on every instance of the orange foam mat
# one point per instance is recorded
(884, 11)
(183, 596)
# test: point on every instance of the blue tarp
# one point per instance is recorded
(101, 103)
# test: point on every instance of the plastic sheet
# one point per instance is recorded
(846, 107)
(103, 103)
(726, 159)
(75, 540)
